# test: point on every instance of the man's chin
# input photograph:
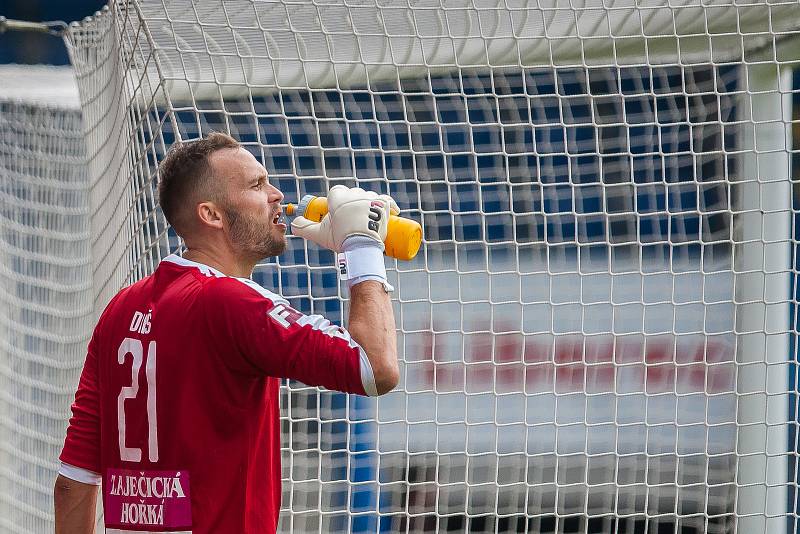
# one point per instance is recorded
(273, 248)
(280, 248)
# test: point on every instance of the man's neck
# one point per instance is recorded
(225, 263)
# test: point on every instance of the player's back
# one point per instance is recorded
(186, 441)
(177, 406)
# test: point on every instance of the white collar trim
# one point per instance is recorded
(205, 269)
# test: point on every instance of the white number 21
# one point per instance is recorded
(135, 348)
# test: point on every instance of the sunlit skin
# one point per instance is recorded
(242, 224)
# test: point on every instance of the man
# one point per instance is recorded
(176, 413)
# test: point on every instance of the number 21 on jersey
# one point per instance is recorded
(135, 348)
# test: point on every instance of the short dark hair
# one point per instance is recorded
(186, 170)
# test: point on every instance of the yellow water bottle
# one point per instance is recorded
(403, 236)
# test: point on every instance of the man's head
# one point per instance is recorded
(214, 187)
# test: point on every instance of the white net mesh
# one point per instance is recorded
(595, 336)
(45, 284)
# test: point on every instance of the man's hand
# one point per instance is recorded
(351, 212)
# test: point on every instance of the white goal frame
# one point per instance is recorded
(141, 64)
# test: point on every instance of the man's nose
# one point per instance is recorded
(275, 194)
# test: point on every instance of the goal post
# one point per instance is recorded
(595, 335)
(763, 281)
(45, 283)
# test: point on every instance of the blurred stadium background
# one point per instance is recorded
(599, 334)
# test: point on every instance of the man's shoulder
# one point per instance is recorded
(239, 288)
(123, 293)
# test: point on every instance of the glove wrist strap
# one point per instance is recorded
(361, 260)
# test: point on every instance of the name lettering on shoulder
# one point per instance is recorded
(141, 322)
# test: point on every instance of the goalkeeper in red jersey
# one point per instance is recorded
(176, 413)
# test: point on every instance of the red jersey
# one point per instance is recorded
(177, 406)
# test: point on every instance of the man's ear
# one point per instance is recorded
(209, 214)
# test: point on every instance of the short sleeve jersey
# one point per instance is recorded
(177, 408)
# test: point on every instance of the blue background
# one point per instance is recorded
(30, 47)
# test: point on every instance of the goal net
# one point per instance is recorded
(597, 333)
(45, 284)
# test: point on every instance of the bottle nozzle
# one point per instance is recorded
(289, 209)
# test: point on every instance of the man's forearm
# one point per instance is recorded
(75, 504)
(371, 323)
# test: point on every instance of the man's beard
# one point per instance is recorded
(254, 236)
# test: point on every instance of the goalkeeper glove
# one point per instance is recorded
(351, 212)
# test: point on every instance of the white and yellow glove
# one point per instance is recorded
(355, 228)
(351, 212)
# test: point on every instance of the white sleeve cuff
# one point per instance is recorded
(78, 474)
(367, 376)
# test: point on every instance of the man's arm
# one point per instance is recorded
(356, 227)
(75, 504)
(371, 323)
(75, 490)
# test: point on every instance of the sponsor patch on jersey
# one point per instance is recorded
(140, 500)
(284, 315)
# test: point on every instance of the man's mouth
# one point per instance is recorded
(279, 219)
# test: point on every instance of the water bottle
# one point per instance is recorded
(403, 236)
